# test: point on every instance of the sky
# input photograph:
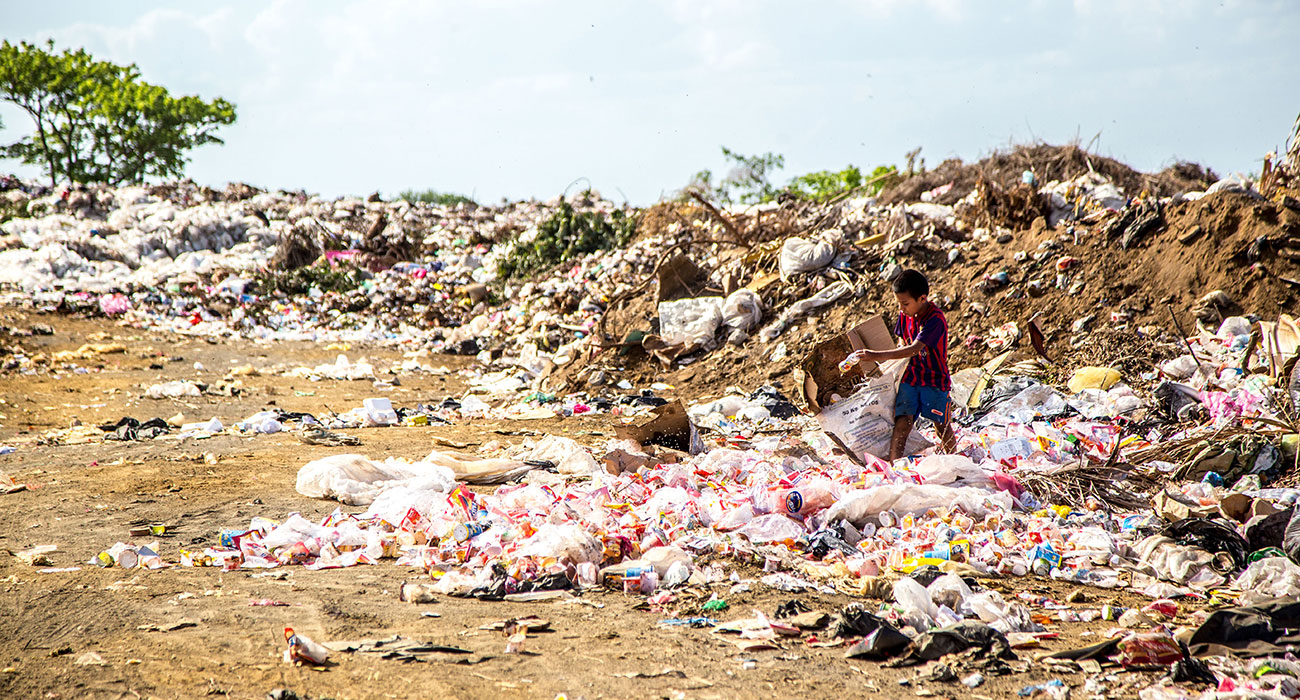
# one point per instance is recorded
(530, 99)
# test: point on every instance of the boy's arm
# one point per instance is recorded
(913, 348)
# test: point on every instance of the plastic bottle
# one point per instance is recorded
(468, 531)
(632, 578)
(587, 574)
(803, 500)
(303, 649)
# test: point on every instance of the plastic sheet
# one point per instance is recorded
(832, 293)
(357, 480)
(861, 506)
(1271, 577)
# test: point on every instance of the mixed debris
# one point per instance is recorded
(1126, 393)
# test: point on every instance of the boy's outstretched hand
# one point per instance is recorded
(856, 357)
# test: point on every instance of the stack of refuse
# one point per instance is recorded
(1171, 495)
(192, 260)
(1166, 481)
(983, 510)
(250, 264)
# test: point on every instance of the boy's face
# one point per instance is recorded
(910, 305)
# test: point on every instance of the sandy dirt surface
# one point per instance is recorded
(191, 632)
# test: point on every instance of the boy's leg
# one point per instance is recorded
(898, 441)
(907, 404)
(936, 407)
(946, 437)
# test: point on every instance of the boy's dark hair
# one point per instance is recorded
(912, 283)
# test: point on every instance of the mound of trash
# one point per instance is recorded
(1125, 393)
(1079, 244)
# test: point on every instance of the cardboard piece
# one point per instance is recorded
(822, 376)
(1280, 342)
(856, 408)
(666, 426)
(680, 278)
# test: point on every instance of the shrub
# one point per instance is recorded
(446, 199)
(567, 234)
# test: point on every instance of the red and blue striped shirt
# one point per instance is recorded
(930, 366)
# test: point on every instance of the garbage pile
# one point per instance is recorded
(283, 265)
(1177, 498)
(1082, 258)
(1159, 462)
(734, 295)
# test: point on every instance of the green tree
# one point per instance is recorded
(748, 180)
(97, 121)
(565, 235)
(824, 185)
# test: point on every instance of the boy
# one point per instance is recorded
(923, 330)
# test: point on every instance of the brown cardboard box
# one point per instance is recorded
(856, 408)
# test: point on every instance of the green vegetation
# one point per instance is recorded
(341, 277)
(749, 181)
(565, 235)
(825, 185)
(12, 210)
(446, 199)
(97, 121)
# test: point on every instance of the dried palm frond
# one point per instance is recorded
(1118, 487)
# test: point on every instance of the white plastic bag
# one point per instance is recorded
(690, 322)
(1004, 617)
(1274, 577)
(357, 480)
(951, 591)
(802, 255)
(952, 469)
(864, 421)
(292, 531)
(915, 602)
(567, 541)
(743, 309)
(1234, 326)
(569, 457)
(173, 390)
(772, 528)
(1176, 563)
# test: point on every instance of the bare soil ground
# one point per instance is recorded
(85, 497)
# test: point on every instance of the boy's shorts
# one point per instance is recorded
(924, 401)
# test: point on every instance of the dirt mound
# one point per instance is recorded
(1182, 176)
(1227, 241)
(1005, 167)
(1110, 307)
